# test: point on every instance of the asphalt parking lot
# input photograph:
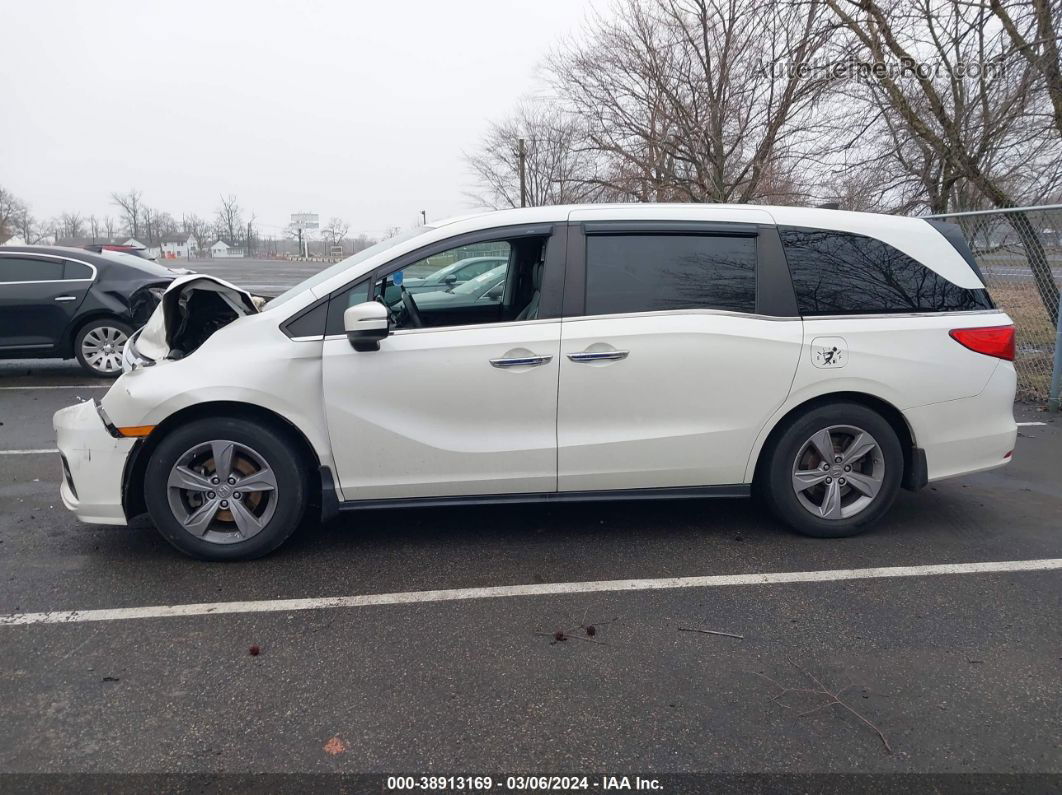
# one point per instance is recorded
(263, 277)
(959, 672)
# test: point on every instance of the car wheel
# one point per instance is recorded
(833, 471)
(225, 489)
(99, 346)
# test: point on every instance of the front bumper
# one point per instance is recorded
(93, 464)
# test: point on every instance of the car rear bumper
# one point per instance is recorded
(968, 435)
(93, 464)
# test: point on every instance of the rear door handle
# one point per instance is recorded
(598, 356)
(66, 298)
(521, 361)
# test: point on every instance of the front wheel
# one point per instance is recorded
(225, 489)
(833, 471)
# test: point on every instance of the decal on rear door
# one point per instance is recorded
(828, 353)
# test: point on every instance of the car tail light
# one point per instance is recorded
(995, 341)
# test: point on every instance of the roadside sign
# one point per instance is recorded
(305, 220)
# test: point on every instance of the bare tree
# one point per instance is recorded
(164, 224)
(198, 228)
(94, 227)
(250, 240)
(295, 232)
(132, 210)
(109, 227)
(71, 225)
(361, 242)
(157, 224)
(27, 227)
(965, 135)
(228, 222)
(698, 100)
(10, 210)
(335, 230)
(1035, 28)
(558, 166)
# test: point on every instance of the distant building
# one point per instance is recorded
(179, 245)
(222, 249)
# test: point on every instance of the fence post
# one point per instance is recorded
(1054, 394)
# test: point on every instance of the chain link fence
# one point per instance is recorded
(1019, 252)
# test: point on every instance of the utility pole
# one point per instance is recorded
(523, 181)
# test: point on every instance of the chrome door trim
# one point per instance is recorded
(598, 356)
(671, 312)
(35, 255)
(776, 318)
(521, 361)
(893, 315)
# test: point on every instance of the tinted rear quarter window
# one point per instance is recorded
(17, 269)
(647, 273)
(77, 270)
(845, 273)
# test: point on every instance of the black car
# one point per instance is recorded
(58, 302)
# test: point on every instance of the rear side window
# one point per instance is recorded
(647, 273)
(77, 270)
(16, 269)
(840, 273)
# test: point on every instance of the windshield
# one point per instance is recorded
(342, 265)
(482, 282)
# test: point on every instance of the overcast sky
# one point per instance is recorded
(357, 109)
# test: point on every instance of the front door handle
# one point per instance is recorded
(521, 361)
(66, 298)
(598, 356)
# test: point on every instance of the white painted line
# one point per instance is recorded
(60, 386)
(456, 594)
(1019, 424)
(40, 451)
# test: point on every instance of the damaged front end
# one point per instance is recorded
(191, 310)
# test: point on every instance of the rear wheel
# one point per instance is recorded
(225, 489)
(99, 345)
(833, 471)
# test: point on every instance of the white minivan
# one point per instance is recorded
(819, 358)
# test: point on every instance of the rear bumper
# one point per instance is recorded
(968, 435)
(93, 463)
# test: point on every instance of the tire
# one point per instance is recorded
(213, 519)
(831, 504)
(98, 346)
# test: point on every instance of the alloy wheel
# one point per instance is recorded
(838, 472)
(102, 348)
(222, 492)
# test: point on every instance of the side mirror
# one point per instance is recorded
(451, 279)
(366, 324)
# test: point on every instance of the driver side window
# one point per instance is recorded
(489, 282)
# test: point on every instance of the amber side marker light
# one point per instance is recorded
(136, 431)
(995, 341)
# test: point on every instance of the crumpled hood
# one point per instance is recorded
(192, 308)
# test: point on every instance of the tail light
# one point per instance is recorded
(995, 341)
